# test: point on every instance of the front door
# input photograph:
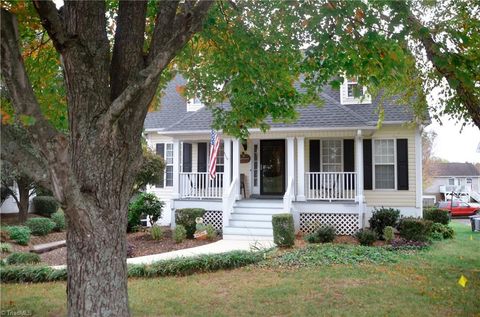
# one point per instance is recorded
(272, 167)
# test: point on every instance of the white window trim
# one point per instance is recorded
(194, 104)
(341, 154)
(346, 100)
(394, 165)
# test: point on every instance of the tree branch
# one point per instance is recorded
(127, 59)
(434, 54)
(17, 81)
(188, 24)
(52, 22)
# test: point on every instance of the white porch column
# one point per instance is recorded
(236, 166)
(227, 147)
(359, 169)
(419, 170)
(290, 159)
(301, 168)
(176, 169)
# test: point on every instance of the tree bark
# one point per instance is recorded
(97, 270)
(23, 199)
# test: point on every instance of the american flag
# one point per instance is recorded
(214, 146)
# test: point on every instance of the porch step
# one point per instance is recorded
(239, 237)
(258, 210)
(251, 223)
(248, 232)
(262, 203)
(251, 216)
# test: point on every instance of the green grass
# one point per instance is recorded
(423, 284)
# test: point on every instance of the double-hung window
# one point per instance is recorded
(354, 90)
(165, 150)
(220, 158)
(331, 157)
(384, 163)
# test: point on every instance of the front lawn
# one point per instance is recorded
(424, 284)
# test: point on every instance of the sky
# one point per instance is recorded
(453, 145)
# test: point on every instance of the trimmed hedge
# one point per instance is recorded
(19, 234)
(382, 218)
(415, 229)
(44, 205)
(173, 267)
(283, 230)
(23, 258)
(436, 215)
(40, 226)
(186, 217)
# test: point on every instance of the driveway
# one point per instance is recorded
(464, 221)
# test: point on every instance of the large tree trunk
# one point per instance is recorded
(97, 270)
(23, 199)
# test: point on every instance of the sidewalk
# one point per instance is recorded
(221, 246)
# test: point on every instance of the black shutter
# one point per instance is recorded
(187, 158)
(160, 150)
(402, 164)
(314, 161)
(202, 157)
(314, 155)
(349, 162)
(367, 164)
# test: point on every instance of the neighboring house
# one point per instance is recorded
(333, 165)
(461, 178)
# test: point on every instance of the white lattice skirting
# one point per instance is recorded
(214, 218)
(344, 224)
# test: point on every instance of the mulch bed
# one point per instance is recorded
(142, 244)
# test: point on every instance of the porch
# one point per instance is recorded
(314, 178)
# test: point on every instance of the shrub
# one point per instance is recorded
(5, 247)
(179, 234)
(283, 230)
(40, 226)
(366, 236)
(389, 234)
(156, 232)
(436, 215)
(440, 231)
(130, 249)
(321, 235)
(211, 232)
(19, 234)
(415, 229)
(31, 274)
(44, 205)
(186, 218)
(59, 219)
(147, 205)
(23, 258)
(173, 267)
(383, 217)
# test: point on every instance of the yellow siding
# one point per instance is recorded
(396, 198)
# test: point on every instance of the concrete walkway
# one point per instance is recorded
(220, 246)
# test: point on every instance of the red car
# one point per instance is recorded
(459, 208)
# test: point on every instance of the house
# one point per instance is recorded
(333, 165)
(463, 179)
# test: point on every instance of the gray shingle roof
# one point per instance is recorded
(454, 169)
(172, 115)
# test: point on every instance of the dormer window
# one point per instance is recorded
(354, 93)
(194, 103)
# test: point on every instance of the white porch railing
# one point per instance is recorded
(288, 197)
(199, 185)
(331, 185)
(228, 200)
